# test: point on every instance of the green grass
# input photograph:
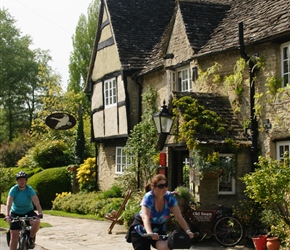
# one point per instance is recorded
(4, 224)
(71, 215)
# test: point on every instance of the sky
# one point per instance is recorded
(51, 25)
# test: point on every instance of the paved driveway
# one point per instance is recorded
(79, 234)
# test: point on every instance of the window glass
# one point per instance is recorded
(110, 92)
(281, 148)
(184, 80)
(226, 181)
(122, 160)
(285, 65)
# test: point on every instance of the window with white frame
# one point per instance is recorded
(281, 148)
(122, 160)
(226, 181)
(110, 92)
(285, 63)
(184, 80)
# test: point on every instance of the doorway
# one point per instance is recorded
(180, 167)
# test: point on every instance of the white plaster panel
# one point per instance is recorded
(106, 33)
(121, 89)
(107, 61)
(98, 127)
(123, 126)
(111, 121)
(97, 100)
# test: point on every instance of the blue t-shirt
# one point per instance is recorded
(22, 203)
(156, 218)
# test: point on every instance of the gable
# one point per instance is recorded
(107, 57)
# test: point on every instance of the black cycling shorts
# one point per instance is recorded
(17, 225)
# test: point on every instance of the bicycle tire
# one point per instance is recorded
(228, 231)
(23, 244)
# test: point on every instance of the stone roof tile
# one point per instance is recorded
(263, 19)
(138, 26)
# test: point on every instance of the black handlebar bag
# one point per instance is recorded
(178, 240)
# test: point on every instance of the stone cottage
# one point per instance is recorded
(232, 56)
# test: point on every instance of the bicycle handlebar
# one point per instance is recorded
(25, 218)
(161, 236)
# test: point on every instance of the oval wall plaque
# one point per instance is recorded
(60, 121)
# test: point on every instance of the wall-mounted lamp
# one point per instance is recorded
(267, 125)
(163, 120)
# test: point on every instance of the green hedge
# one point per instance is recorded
(49, 182)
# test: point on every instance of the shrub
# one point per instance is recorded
(48, 154)
(87, 203)
(269, 186)
(86, 175)
(49, 182)
(11, 152)
(113, 192)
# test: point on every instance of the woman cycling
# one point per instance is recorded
(20, 201)
(156, 206)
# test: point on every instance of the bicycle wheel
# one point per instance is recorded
(228, 231)
(23, 244)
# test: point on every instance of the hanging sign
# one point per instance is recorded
(60, 121)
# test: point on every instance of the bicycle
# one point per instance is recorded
(23, 241)
(219, 222)
(175, 240)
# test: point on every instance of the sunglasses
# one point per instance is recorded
(161, 186)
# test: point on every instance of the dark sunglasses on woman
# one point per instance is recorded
(161, 186)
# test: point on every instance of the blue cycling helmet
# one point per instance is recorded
(21, 174)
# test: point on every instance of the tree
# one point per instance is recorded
(18, 78)
(83, 42)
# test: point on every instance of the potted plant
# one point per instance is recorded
(183, 196)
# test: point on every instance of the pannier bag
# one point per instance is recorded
(178, 240)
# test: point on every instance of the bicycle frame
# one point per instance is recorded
(24, 231)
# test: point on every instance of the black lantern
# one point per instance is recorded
(163, 120)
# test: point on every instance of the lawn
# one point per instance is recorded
(4, 224)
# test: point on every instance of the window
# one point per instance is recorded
(110, 90)
(122, 160)
(184, 80)
(285, 65)
(180, 80)
(226, 182)
(281, 148)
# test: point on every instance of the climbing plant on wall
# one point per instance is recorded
(195, 119)
(141, 144)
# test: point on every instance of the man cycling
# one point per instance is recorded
(20, 201)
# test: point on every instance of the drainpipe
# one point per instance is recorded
(254, 121)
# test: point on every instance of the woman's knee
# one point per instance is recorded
(14, 234)
(162, 245)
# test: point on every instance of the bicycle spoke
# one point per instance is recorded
(228, 231)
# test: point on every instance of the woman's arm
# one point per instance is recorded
(36, 203)
(147, 224)
(9, 204)
(181, 221)
(146, 219)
